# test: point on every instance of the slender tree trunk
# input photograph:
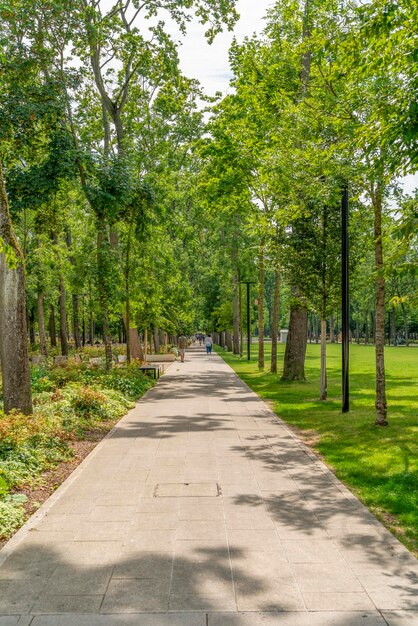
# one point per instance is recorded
(393, 325)
(14, 353)
(381, 403)
(62, 298)
(102, 248)
(372, 327)
(366, 330)
(145, 341)
(128, 324)
(91, 320)
(76, 313)
(323, 389)
(52, 327)
(41, 324)
(156, 340)
(128, 292)
(323, 392)
(236, 319)
(331, 329)
(63, 318)
(261, 278)
(275, 321)
(357, 329)
(241, 325)
(76, 321)
(316, 328)
(31, 324)
(405, 324)
(294, 359)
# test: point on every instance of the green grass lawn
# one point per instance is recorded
(380, 465)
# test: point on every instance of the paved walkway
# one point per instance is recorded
(202, 509)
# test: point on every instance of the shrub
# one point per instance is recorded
(16, 427)
(12, 515)
(89, 403)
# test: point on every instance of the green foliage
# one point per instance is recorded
(12, 515)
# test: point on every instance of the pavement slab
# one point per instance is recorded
(201, 508)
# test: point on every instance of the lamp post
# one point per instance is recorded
(248, 283)
(345, 287)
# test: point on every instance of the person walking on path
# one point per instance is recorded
(208, 344)
(182, 345)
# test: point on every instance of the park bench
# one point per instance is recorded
(38, 359)
(61, 361)
(96, 361)
(155, 369)
(160, 358)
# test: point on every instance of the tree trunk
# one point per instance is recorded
(145, 342)
(31, 323)
(323, 386)
(76, 313)
(405, 324)
(63, 318)
(323, 391)
(366, 330)
(261, 277)
(393, 326)
(127, 321)
(156, 340)
(331, 329)
(316, 326)
(236, 318)
(357, 330)
(381, 404)
(62, 298)
(14, 354)
(372, 327)
(128, 293)
(294, 358)
(76, 321)
(52, 327)
(275, 321)
(41, 324)
(102, 249)
(241, 325)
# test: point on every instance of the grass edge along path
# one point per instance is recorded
(379, 465)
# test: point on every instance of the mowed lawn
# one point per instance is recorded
(380, 465)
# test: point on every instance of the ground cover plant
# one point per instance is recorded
(68, 404)
(379, 465)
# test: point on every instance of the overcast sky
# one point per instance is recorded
(209, 63)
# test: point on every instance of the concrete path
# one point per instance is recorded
(202, 509)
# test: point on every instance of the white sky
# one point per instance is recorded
(209, 63)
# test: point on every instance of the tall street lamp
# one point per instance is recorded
(345, 288)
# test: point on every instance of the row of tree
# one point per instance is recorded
(323, 100)
(128, 196)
